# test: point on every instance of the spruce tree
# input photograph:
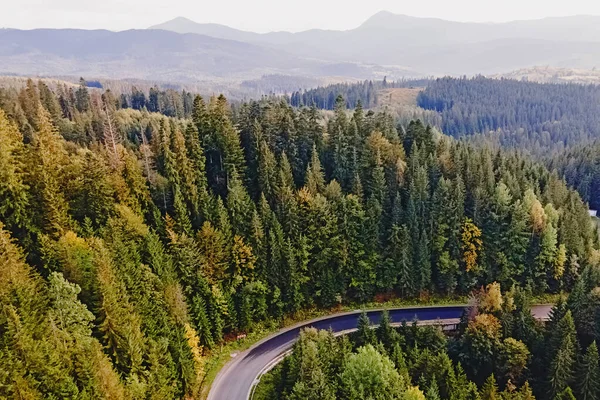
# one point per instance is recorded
(267, 171)
(198, 163)
(385, 333)
(48, 173)
(240, 207)
(14, 203)
(365, 334)
(315, 181)
(563, 350)
(489, 391)
(227, 139)
(588, 375)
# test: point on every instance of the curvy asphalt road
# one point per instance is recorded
(235, 380)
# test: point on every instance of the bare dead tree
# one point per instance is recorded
(146, 152)
(111, 136)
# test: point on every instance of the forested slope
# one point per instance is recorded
(132, 242)
(366, 92)
(527, 115)
(559, 124)
(580, 166)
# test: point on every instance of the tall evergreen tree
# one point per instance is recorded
(588, 374)
(563, 350)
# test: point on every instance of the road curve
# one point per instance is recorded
(235, 380)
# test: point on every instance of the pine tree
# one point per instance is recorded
(399, 257)
(461, 388)
(566, 394)
(48, 174)
(296, 260)
(267, 171)
(49, 101)
(82, 96)
(365, 334)
(588, 375)
(312, 381)
(489, 391)
(14, 197)
(240, 207)
(385, 333)
(433, 392)
(315, 181)
(286, 204)
(95, 198)
(170, 141)
(227, 140)
(339, 144)
(526, 393)
(357, 252)
(195, 153)
(399, 360)
(563, 348)
(161, 381)
(120, 325)
(257, 240)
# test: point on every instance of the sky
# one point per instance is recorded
(271, 15)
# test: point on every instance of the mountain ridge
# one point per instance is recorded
(387, 44)
(397, 39)
(378, 17)
(157, 55)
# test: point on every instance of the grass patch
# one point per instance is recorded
(398, 97)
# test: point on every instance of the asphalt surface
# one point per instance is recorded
(235, 380)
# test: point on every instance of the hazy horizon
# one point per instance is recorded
(281, 16)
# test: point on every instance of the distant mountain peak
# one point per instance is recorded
(186, 25)
(174, 24)
(181, 19)
(388, 19)
(383, 13)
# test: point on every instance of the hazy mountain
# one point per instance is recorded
(413, 30)
(143, 54)
(386, 44)
(160, 55)
(184, 25)
(435, 46)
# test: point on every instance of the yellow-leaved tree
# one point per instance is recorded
(471, 244)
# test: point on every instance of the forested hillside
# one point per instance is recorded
(580, 166)
(366, 92)
(132, 242)
(557, 123)
(499, 352)
(527, 115)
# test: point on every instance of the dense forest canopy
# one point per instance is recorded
(580, 167)
(524, 114)
(132, 242)
(499, 351)
(556, 123)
